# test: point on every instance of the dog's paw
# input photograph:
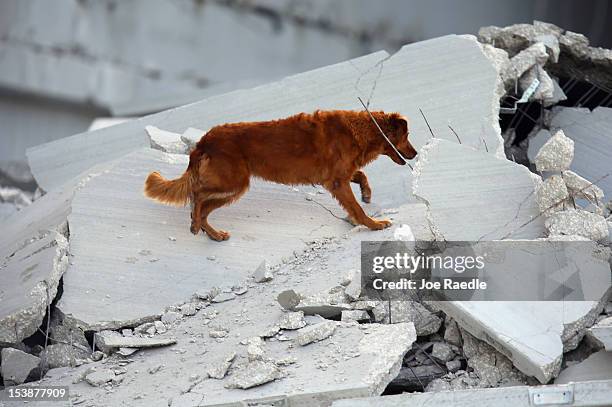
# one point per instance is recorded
(366, 198)
(383, 224)
(193, 229)
(219, 235)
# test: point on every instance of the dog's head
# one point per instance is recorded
(397, 131)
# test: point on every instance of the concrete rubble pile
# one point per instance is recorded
(149, 314)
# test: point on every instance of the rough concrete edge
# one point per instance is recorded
(43, 298)
(574, 331)
(380, 374)
(504, 346)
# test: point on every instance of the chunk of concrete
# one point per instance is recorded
(598, 366)
(292, 320)
(425, 321)
(580, 187)
(534, 55)
(556, 154)
(17, 366)
(30, 278)
(536, 142)
(110, 240)
(262, 274)
(590, 132)
(461, 189)
(253, 374)
(578, 222)
(354, 315)
(552, 195)
(442, 351)
(316, 332)
(602, 333)
(62, 354)
(119, 341)
(166, 141)
(100, 377)
(218, 369)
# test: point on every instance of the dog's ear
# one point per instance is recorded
(400, 123)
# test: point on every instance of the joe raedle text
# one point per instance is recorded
(424, 284)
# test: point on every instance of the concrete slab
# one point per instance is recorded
(602, 332)
(598, 366)
(461, 187)
(132, 257)
(355, 361)
(416, 77)
(595, 393)
(590, 132)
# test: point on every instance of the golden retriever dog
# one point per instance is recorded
(326, 148)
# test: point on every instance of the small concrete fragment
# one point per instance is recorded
(100, 377)
(166, 141)
(602, 333)
(222, 297)
(170, 317)
(288, 299)
(536, 142)
(353, 289)
(255, 348)
(527, 58)
(292, 320)
(425, 321)
(253, 374)
(556, 154)
(316, 332)
(580, 187)
(442, 351)
(552, 195)
(598, 366)
(17, 366)
(403, 233)
(354, 315)
(578, 222)
(219, 368)
(452, 333)
(461, 187)
(118, 341)
(62, 354)
(262, 274)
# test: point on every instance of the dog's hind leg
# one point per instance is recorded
(341, 190)
(212, 204)
(361, 179)
(196, 214)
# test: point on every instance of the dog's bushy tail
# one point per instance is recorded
(171, 192)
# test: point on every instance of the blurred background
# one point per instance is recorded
(65, 62)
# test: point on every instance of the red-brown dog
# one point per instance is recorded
(326, 148)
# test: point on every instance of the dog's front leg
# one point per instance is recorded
(196, 216)
(361, 179)
(341, 190)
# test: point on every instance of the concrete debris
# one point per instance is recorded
(578, 222)
(354, 315)
(442, 351)
(536, 142)
(316, 333)
(255, 348)
(552, 195)
(425, 321)
(166, 141)
(189, 309)
(191, 136)
(415, 377)
(452, 333)
(593, 145)
(528, 58)
(556, 154)
(32, 272)
(222, 297)
(292, 320)
(546, 88)
(492, 368)
(288, 299)
(262, 274)
(17, 366)
(327, 304)
(582, 188)
(219, 368)
(106, 341)
(14, 196)
(100, 377)
(516, 37)
(453, 365)
(460, 380)
(253, 374)
(403, 233)
(353, 288)
(598, 366)
(602, 333)
(63, 354)
(472, 206)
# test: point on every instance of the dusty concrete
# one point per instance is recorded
(578, 222)
(556, 154)
(552, 195)
(598, 366)
(17, 366)
(602, 333)
(457, 210)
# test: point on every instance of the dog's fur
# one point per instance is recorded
(327, 148)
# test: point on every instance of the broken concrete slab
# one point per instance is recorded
(292, 320)
(255, 373)
(578, 222)
(425, 321)
(590, 132)
(594, 393)
(355, 315)
(552, 195)
(582, 188)
(115, 229)
(416, 77)
(316, 332)
(516, 37)
(218, 369)
(166, 141)
(100, 377)
(556, 154)
(536, 142)
(118, 341)
(17, 366)
(262, 274)
(602, 333)
(468, 204)
(62, 354)
(31, 277)
(598, 366)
